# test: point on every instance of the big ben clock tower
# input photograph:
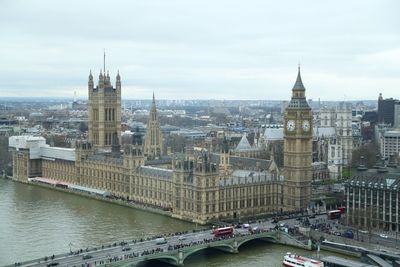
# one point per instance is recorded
(297, 149)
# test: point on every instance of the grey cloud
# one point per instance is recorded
(196, 49)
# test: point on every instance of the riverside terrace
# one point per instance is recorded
(174, 250)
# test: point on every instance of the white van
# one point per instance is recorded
(161, 240)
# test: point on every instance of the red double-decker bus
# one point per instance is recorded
(334, 214)
(342, 210)
(223, 231)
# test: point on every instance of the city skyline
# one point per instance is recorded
(348, 51)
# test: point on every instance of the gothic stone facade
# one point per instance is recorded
(298, 149)
(193, 188)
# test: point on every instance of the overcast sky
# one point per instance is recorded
(206, 49)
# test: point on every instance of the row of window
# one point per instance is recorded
(109, 114)
(224, 206)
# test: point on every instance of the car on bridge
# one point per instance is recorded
(86, 257)
(161, 240)
(246, 225)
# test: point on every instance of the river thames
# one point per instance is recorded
(36, 221)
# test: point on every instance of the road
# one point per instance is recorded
(373, 237)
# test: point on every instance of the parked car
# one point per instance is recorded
(254, 230)
(383, 236)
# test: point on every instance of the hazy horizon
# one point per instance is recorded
(65, 98)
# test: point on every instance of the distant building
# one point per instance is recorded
(328, 149)
(373, 198)
(386, 110)
(7, 121)
(390, 143)
(78, 105)
(397, 116)
(320, 171)
(341, 119)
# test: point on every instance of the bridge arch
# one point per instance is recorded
(163, 258)
(270, 239)
(223, 247)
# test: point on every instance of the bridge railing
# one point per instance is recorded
(189, 248)
(209, 243)
(49, 259)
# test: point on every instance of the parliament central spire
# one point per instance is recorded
(153, 143)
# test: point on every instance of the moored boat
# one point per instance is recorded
(293, 260)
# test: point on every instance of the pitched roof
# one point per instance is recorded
(298, 85)
(273, 134)
(244, 162)
(324, 131)
(155, 171)
(378, 178)
(243, 144)
(298, 102)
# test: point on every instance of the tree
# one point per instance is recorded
(5, 157)
(176, 142)
(368, 151)
(83, 127)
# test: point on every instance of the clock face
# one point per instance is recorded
(290, 125)
(306, 126)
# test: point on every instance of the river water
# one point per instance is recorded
(36, 221)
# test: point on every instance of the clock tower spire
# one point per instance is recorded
(297, 149)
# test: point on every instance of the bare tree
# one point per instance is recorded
(369, 151)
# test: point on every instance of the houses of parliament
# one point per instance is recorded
(198, 187)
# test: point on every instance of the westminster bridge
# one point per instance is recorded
(173, 249)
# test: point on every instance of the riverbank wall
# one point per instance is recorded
(316, 235)
(132, 205)
(288, 240)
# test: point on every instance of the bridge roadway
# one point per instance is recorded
(177, 248)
